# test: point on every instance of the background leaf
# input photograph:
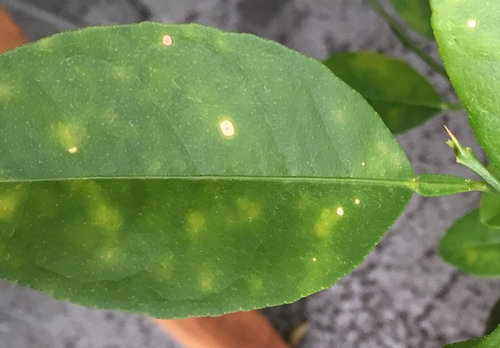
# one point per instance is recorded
(468, 36)
(472, 247)
(176, 170)
(490, 209)
(417, 14)
(401, 95)
(493, 319)
(490, 341)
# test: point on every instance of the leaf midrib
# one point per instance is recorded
(410, 183)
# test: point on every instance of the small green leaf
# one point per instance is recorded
(493, 319)
(466, 157)
(177, 170)
(401, 95)
(490, 209)
(490, 341)
(417, 13)
(468, 36)
(472, 247)
(432, 185)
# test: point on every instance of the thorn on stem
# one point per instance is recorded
(453, 142)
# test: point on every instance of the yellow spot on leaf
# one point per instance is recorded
(226, 127)
(154, 167)
(101, 212)
(167, 40)
(470, 256)
(70, 136)
(340, 117)
(5, 91)
(256, 283)
(162, 268)
(382, 148)
(357, 201)
(9, 202)
(221, 42)
(111, 256)
(120, 72)
(106, 255)
(106, 217)
(326, 222)
(248, 209)
(89, 188)
(363, 164)
(166, 266)
(195, 222)
(314, 259)
(205, 281)
(45, 44)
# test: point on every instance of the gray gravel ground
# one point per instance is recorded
(403, 295)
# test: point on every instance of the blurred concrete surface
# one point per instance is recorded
(403, 295)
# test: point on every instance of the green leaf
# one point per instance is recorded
(490, 209)
(417, 13)
(490, 341)
(493, 319)
(468, 36)
(466, 157)
(401, 95)
(472, 247)
(177, 170)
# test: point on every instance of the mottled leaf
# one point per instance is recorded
(417, 14)
(472, 247)
(401, 95)
(490, 209)
(490, 341)
(177, 170)
(468, 36)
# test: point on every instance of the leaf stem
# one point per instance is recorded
(405, 39)
(466, 156)
(433, 185)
